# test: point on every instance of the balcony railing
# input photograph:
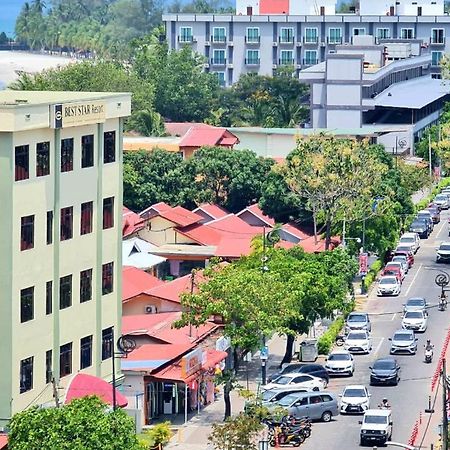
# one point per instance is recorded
(186, 39)
(311, 39)
(252, 39)
(310, 61)
(286, 62)
(286, 39)
(437, 40)
(252, 61)
(334, 40)
(218, 61)
(218, 39)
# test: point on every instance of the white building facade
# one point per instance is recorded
(60, 252)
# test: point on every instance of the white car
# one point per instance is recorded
(355, 399)
(443, 252)
(358, 342)
(389, 285)
(396, 265)
(411, 239)
(442, 200)
(415, 320)
(376, 427)
(290, 380)
(402, 260)
(340, 362)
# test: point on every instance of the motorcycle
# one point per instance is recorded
(428, 355)
(284, 436)
(442, 306)
(384, 406)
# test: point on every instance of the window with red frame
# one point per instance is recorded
(108, 212)
(67, 155)
(22, 162)
(66, 230)
(87, 210)
(107, 278)
(26, 232)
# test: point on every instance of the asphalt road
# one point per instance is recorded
(411, 395)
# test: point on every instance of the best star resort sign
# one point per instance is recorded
(76, 114)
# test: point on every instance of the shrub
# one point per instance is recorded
(159, 434)
(373, 272)
(327, 340)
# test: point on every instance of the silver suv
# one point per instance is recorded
(358, 321)
(403, 341)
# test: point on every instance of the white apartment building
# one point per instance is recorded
(267, 34)
(61, 239)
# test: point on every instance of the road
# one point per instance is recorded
(411, 395)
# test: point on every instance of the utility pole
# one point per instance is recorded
(444, 408)
(429, 155)
(55, 392)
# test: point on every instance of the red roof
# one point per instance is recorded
(3, 441)
(274, 7)
(295, 231)
(213, 211)
(83, 385)
(131, 222)
(209, 136)
(181, 128)
(136, 281)
(171, 290)
(178, 215)
(159, 352)
(310, 246)
(257, 212)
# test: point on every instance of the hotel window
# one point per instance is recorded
(65, 360)
(66, 230)
(87, 212)
(311, 36)
(49, 297)
(109, 147)
(335, 35)
(108, 213)
(107, 278)
(85, 285)
(42, 159)
(287, 35)
(219, 34)
(26, 375)
(65, 292)
(185, 34)
(87, 151)
(26, 233)
(26, 304)
(310, 57)
(67, 155)
(22, 162)
(252, 36)
(437, 36)
(85, 352)
(286, 57)
(359, 31)
(218, 57)
(407, 33)
(383, 33)
(48, 366)
(107, 343)
(436, 58)
(220, 78)
(252, 57)
(49, 230)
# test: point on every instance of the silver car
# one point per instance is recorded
(415, 304)
(358, 321)
(403, 341)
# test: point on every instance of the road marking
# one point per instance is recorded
(414, 279)
(394, 316)
(378, 347)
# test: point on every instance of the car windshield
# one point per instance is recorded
(384, 365)
(288, 400)
(399, 259)
(415, 302)
(291, 368)
(413, 315)
(407, 239)
(403, 337)
(267, 395)
(339, 357)
(356, 318)
(375, 419)
(418, 223)
(356, 336)
(441, 197)
(353, 392)
(282, 380)
(444, 247)
(388, 280)
(404, 248)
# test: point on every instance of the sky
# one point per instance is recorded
(9, 9)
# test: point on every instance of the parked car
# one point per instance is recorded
(394, 268)
(402, 259)
(358, 342)
(412, 239)
(273, 395)
(385, 371)
(443, 252)
(289, 380)
(358, 321)
(376, 426)
(442, 201)
(409, 256)
(424, 214)
(405, 247)
(420, 226)
(389, 285)
(415, 320)
(315, 370)
(315, 405)
(415, 304)
(435, 213)
(355, 399)
(340, 362)
(403, 341)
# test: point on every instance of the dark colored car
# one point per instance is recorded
(435, 213)
(316, 370)
(427, 217)
(385, 371)
(420, 227)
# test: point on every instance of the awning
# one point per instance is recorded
(3, 441)
(173, 372)
(83, 385)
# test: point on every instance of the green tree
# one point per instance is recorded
(3, 38)
(84, 423)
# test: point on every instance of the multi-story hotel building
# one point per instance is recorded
(267, 34)
(60, 245)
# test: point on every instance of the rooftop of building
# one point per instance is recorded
(136, 281)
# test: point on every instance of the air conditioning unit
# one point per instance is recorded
(150, 309)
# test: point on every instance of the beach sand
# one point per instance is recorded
(28, 62)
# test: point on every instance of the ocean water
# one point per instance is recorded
(9, 10)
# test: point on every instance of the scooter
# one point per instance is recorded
(442, 306)
(428, 355)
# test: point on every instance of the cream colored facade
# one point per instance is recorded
(28, 118)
